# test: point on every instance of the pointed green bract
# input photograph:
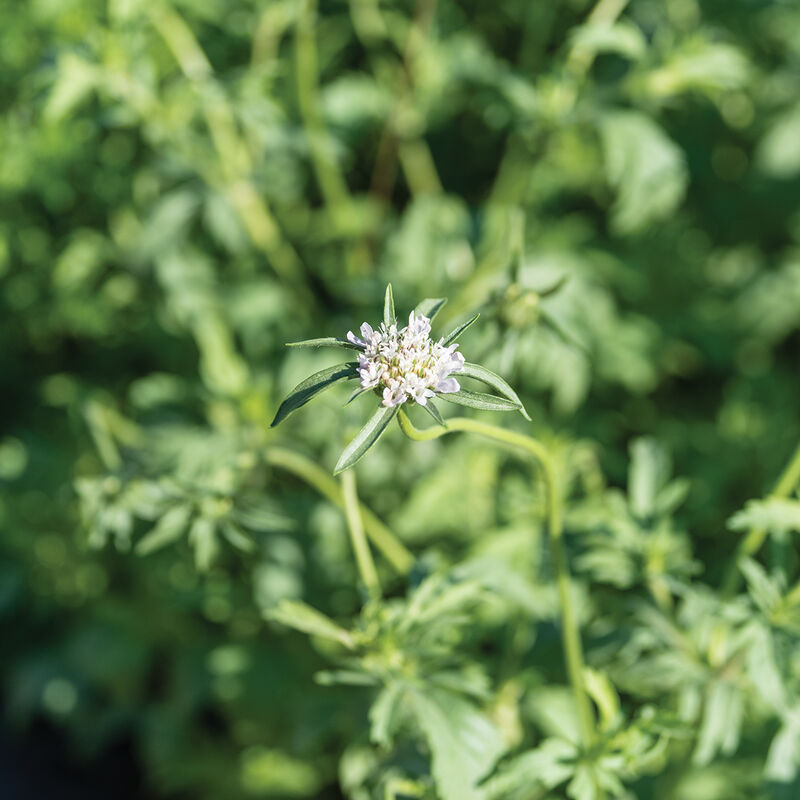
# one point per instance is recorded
(357, 393)
(434, 412)
(325, 341)
(456, 332)
(485, 402)
(365, 438)
(304, 391)
(488, 377)
(389, 316)
(430, 307)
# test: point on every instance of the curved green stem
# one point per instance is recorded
(352, 510)
(305, 469)
(755, 538)
(573, 650)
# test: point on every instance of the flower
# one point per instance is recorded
(400, 365)
(407, 364)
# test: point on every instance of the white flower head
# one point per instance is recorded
(406, 364)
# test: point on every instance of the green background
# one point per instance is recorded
(186, 186)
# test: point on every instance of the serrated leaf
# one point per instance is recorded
(325, 341)
(434, 412)
(485, 402)
(488, 377)
(389, 316)
(312, 386)
(430, 307)
(167, 530)
(302, 617)
(457, 331)
(365, 438)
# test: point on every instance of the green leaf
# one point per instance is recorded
(464, 743)
(648, 472)
(302, 617)
(167, 530)
(456, 332)
(365, 438)
(645, 166)
(488, 377)
(384, 714)
(311, 386)
(774, 514)
(357, 393)
(486, 402)
(203, 537)
(434, 412)
(389, 316)
(430, 307)
(237, 538)
(325, 341)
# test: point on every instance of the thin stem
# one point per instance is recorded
(304, 468)
(366, 566)
(755, 538)
(573, 650)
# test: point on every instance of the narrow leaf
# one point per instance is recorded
(456, 332)
(430, 307)
(325, 341)
(302, 617)
(389, 317)
(357, 393)
(488, 377)
(237, 538)
(486, 402)
(365, 438)
(434, 412)
(311, 386)
(167, 530)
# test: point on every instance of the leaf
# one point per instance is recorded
(622, 38)
(648, 472)
(486, 402)
(464, 743)
(488, 377)
(645, 166)
(383, 714)
(430, 307)
(166, 531)
(302, 617)
(434, 412)
(311, 386)
(203, 537)
(365, 438)
(325, 341)
(389, 316)
(457, 331)
(238, 539)
(357, 393)
(774, 514)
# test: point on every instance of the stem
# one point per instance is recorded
(366, 566)
(755, 538)
(305, 469)
(573, 650)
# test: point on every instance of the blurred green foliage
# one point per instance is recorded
(614, 186)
